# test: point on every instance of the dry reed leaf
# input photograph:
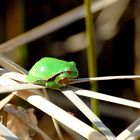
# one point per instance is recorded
(2, 138)
(135, 135)
(4, 101)
(6, 134)
(15, 76)
(129, 131)
(15, 123)
(107, 27)
(45, 123)
(60, 115)
(104, 97)
(12, 88)
(32, 85)
(70, 94)
(57, 128)
(53, 25)
(22, 78)
(22, 131)
(8, 85)
(81, 80)
(26, 119)
(10, 65)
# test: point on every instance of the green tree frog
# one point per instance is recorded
(52, 72)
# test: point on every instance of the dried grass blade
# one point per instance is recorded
(6, 82)
(62, 116)
(6, 134)
(14, 76)
(87, 112)
(80, 80)
(58, 130)
(9, 85)
(104, 97)
(22, 78)
(10, 65)
(11, 88)
(25, 117)
(4, 101)
(135, 134)
(53, 25)
(127, 132)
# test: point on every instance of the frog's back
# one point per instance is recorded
(48, 67)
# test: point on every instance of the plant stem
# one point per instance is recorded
(91, 55)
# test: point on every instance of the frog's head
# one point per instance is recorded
(67, 75)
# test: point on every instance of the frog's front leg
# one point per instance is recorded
(63, 79)
(53, 85)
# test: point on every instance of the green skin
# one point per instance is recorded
(52, 72)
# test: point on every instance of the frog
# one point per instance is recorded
(52, 72)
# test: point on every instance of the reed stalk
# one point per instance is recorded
(91, 54)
